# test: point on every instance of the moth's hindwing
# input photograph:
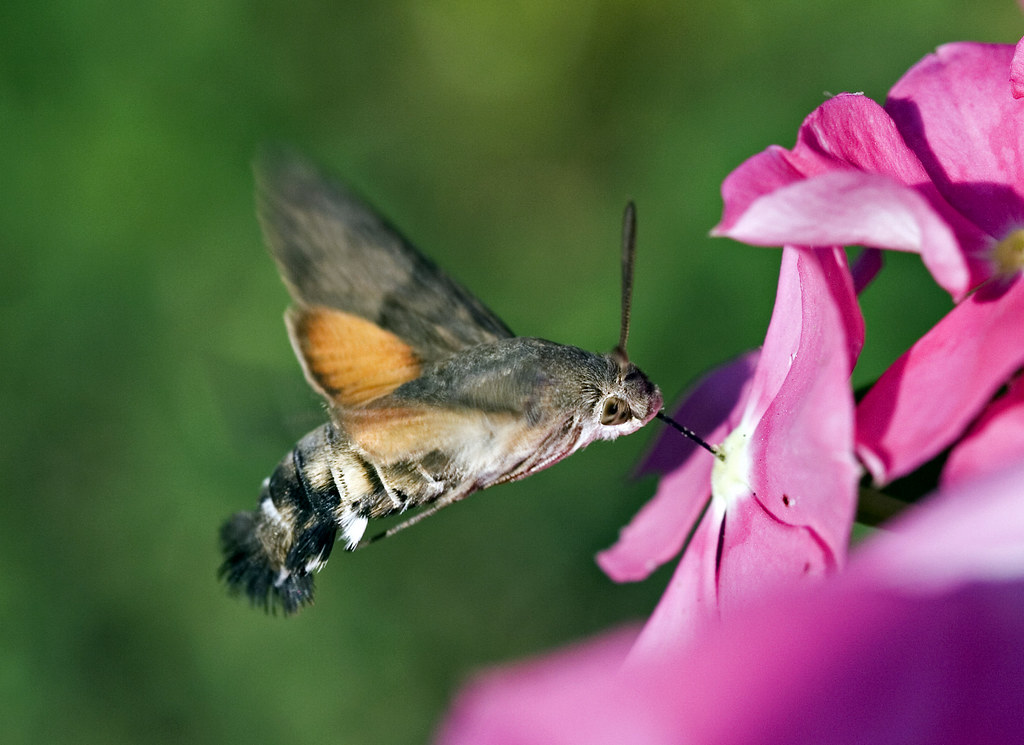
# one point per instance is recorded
(347, 359)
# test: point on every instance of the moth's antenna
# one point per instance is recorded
(628, 255)
(687, 432)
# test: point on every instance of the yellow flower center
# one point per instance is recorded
(730, 473)
(1008, 254)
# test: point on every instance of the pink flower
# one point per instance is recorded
(939, 171)
(782, 496)
(920, 640)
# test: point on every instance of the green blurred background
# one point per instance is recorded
(148, 387)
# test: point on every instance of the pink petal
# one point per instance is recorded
(757, 176)
(852, 134)
(1017, 71)
(851, 207)
(928, 397)
(957, 113)
(804, 470)
(690, 602)
(846, 133)
(760, 555)
(658, 531)
(993, 442)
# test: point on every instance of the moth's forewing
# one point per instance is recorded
(334, 251)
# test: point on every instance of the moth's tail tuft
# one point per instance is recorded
(249, 568)
(270, 554)
(264, 558)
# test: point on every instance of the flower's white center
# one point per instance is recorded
(1008, 253)
(730, 474)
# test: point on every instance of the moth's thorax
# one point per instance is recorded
(545, 386)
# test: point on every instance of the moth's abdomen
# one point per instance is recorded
(321, 486)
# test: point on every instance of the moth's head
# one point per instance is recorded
(626, 400)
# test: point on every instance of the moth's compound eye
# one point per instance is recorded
(615, 412)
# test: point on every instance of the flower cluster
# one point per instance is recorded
(938, 171)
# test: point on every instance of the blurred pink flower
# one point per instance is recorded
(920, 640)
(939, 171)
(782, 497)
(1017, 71)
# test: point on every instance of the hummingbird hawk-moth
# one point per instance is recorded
(431, 397)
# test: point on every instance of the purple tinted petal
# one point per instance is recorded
(865, 665)
(956, 112)
(865, 268)
(851, 207)
(972, 531)
(925, 400)
(993, 442)
(851, 665)
(804, 470)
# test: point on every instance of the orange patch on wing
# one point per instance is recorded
(347, 358)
